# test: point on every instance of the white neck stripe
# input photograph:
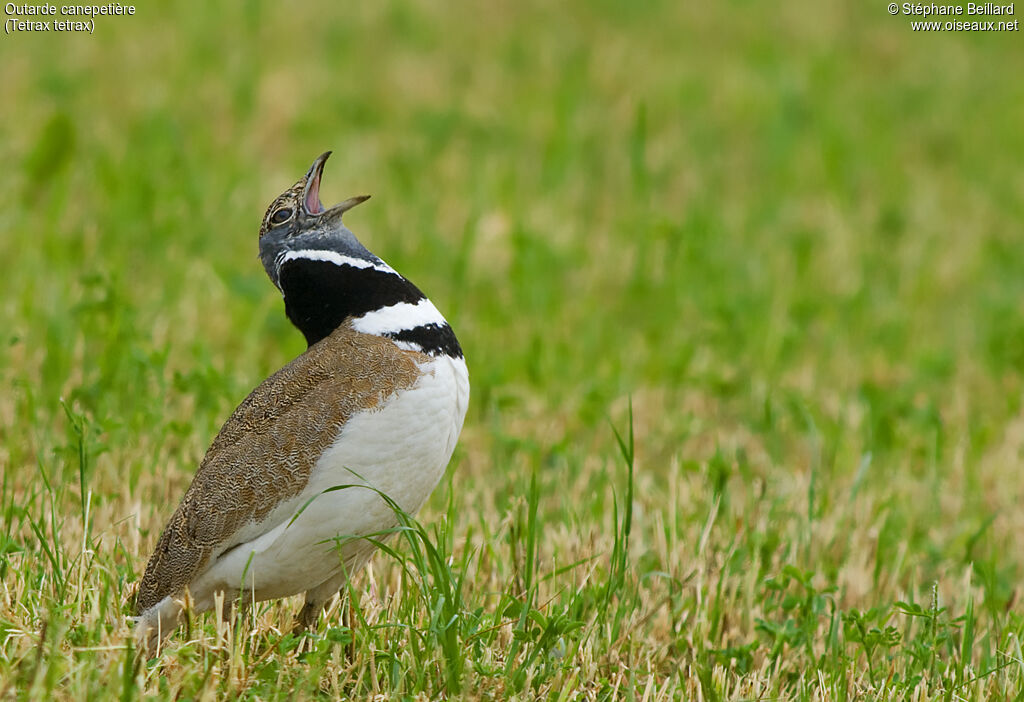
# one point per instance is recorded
(399, 317)
(409, 346)
(337, 259)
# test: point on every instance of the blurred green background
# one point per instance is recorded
(792, 234)
(604, 196)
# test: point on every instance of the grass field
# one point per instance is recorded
(777, 251)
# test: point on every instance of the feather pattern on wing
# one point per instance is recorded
(266, 450)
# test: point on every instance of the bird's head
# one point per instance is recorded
(297, 221)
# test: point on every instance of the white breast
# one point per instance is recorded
(400, 448)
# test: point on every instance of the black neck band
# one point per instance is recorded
(320, 295)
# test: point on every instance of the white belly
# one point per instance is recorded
(400, 448)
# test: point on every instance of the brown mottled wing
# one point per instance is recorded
(265, 451)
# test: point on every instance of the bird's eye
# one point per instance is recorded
(281, 216)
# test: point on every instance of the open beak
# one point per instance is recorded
(311, 195)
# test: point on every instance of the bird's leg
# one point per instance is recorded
(316, 599)
(235, 611)
(307, 616)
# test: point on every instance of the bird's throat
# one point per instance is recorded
(320, 295)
